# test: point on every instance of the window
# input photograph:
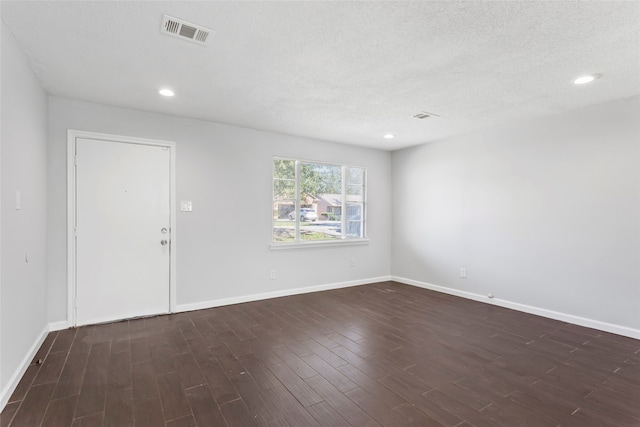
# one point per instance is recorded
(309, 200)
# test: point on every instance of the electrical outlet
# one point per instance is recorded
(272, 275)
(463, 273)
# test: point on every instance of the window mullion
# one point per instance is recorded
(344, 203)
(297, 204)
(363, 216)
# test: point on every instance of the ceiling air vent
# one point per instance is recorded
(184, 30)
(424, 115)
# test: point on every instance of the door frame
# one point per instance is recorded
(72, 135)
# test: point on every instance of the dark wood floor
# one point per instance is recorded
(383, 354)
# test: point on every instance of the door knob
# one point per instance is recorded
(163, 242)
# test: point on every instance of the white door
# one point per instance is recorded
(123, 219)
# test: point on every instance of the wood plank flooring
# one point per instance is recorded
(384, 354)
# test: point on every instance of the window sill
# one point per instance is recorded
(316, 244)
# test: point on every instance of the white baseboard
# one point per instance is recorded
(58, 326)
(564, 317)
(6, 392)
(276, 294)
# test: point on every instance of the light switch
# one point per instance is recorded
(18, 200)
(186, 206)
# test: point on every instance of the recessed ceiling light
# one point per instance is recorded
(166, 92)
(586, 79)
(389, 136)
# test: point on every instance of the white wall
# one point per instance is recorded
(23, 307)
(545, 215)
(223, 245)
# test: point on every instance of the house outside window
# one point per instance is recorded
(309, 199)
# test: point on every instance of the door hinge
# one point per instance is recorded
(75, 160)
(75, 231)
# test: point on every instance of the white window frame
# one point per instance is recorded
(344, 240)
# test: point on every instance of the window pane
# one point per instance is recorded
(320, 193)
(354, 189)
(284, 225)
(355, 186)
(284, 210)
(284, 193)
(317, 179)
(354, 192)
(354, 229)
(330, 207)
(284, 169)
(354, 212)
(355, 221)
(284, 231)
(319, 231)
(355, 176)
(284, 189)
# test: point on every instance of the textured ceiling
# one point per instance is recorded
(340, 71)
